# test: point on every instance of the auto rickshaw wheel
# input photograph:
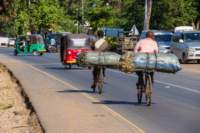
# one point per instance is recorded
(35, 53)
(41, 54)
(15, 52)
(70, 66)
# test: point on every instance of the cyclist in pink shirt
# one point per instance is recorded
(146, 45)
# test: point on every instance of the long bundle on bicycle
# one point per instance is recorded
(161, 62)
(93, 58)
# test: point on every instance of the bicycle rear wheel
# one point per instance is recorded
(100, 82)
(148, 89)
(139, 94)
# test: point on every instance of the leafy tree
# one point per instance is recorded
(20, 16)
(168, 14)
(196, 21)
(102, 13)
(132, 13)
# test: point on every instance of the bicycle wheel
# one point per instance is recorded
(100, 82)
(148, 86)
(139, 94)
(93, 87)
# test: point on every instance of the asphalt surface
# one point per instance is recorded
(176, 97)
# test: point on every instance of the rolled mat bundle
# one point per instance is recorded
(93, 58)
(102, 45)
(131, 62)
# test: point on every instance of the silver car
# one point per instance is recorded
(163, 38)
(186, 46)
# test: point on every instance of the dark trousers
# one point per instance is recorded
(96, 73)
(140, 77)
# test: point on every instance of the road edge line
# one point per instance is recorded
(114, 113)
(161, 82)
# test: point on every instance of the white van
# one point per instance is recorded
(183, 28)
(11, 42)
(4, 41)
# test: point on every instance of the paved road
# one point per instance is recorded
(176, 98)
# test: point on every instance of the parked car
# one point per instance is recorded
(11, 42)
(163, 38)
(3, 41)
(183, 28)
(186, 45)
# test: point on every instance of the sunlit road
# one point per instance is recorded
(176, 98)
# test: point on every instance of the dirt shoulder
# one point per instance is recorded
(16, 113)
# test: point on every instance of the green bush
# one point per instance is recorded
(112, 41)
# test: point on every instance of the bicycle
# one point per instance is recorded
(99, 79)
(145, 86)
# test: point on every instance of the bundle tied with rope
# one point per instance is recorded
(126, 63)
(131, 62)
(96, 58)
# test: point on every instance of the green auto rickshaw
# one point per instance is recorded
(31, 44)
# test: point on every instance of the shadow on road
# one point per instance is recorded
(63, 68)
(111, 102)
(55, 68)
(190, 62)
(76, 91)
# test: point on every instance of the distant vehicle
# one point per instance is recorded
(71, 46)
(3, 41)
(31, 44)
(126, 42)
(112, 32)
(186, 46)
(183, 28)
(163, 38)
(53, 41)
(11, 42)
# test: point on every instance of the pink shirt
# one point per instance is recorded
(146, 45)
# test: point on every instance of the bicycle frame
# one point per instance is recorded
(99, 79)
(145, 86)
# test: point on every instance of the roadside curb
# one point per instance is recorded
(123, 124)
(22, 92)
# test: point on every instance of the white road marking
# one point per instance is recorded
(178, 86)
(115, 114)
(112, 112)
(164, 83)
(167, 87)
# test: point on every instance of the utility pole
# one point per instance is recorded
(82, 3)
(148, 8)
(145, 16)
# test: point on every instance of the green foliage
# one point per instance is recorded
(168, 14)
(112, 41)
(133, 13)
(20, 16)
(39, 16)
(101, 13)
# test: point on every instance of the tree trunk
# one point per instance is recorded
(149, 8)
(198, 24)
(119, 4)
